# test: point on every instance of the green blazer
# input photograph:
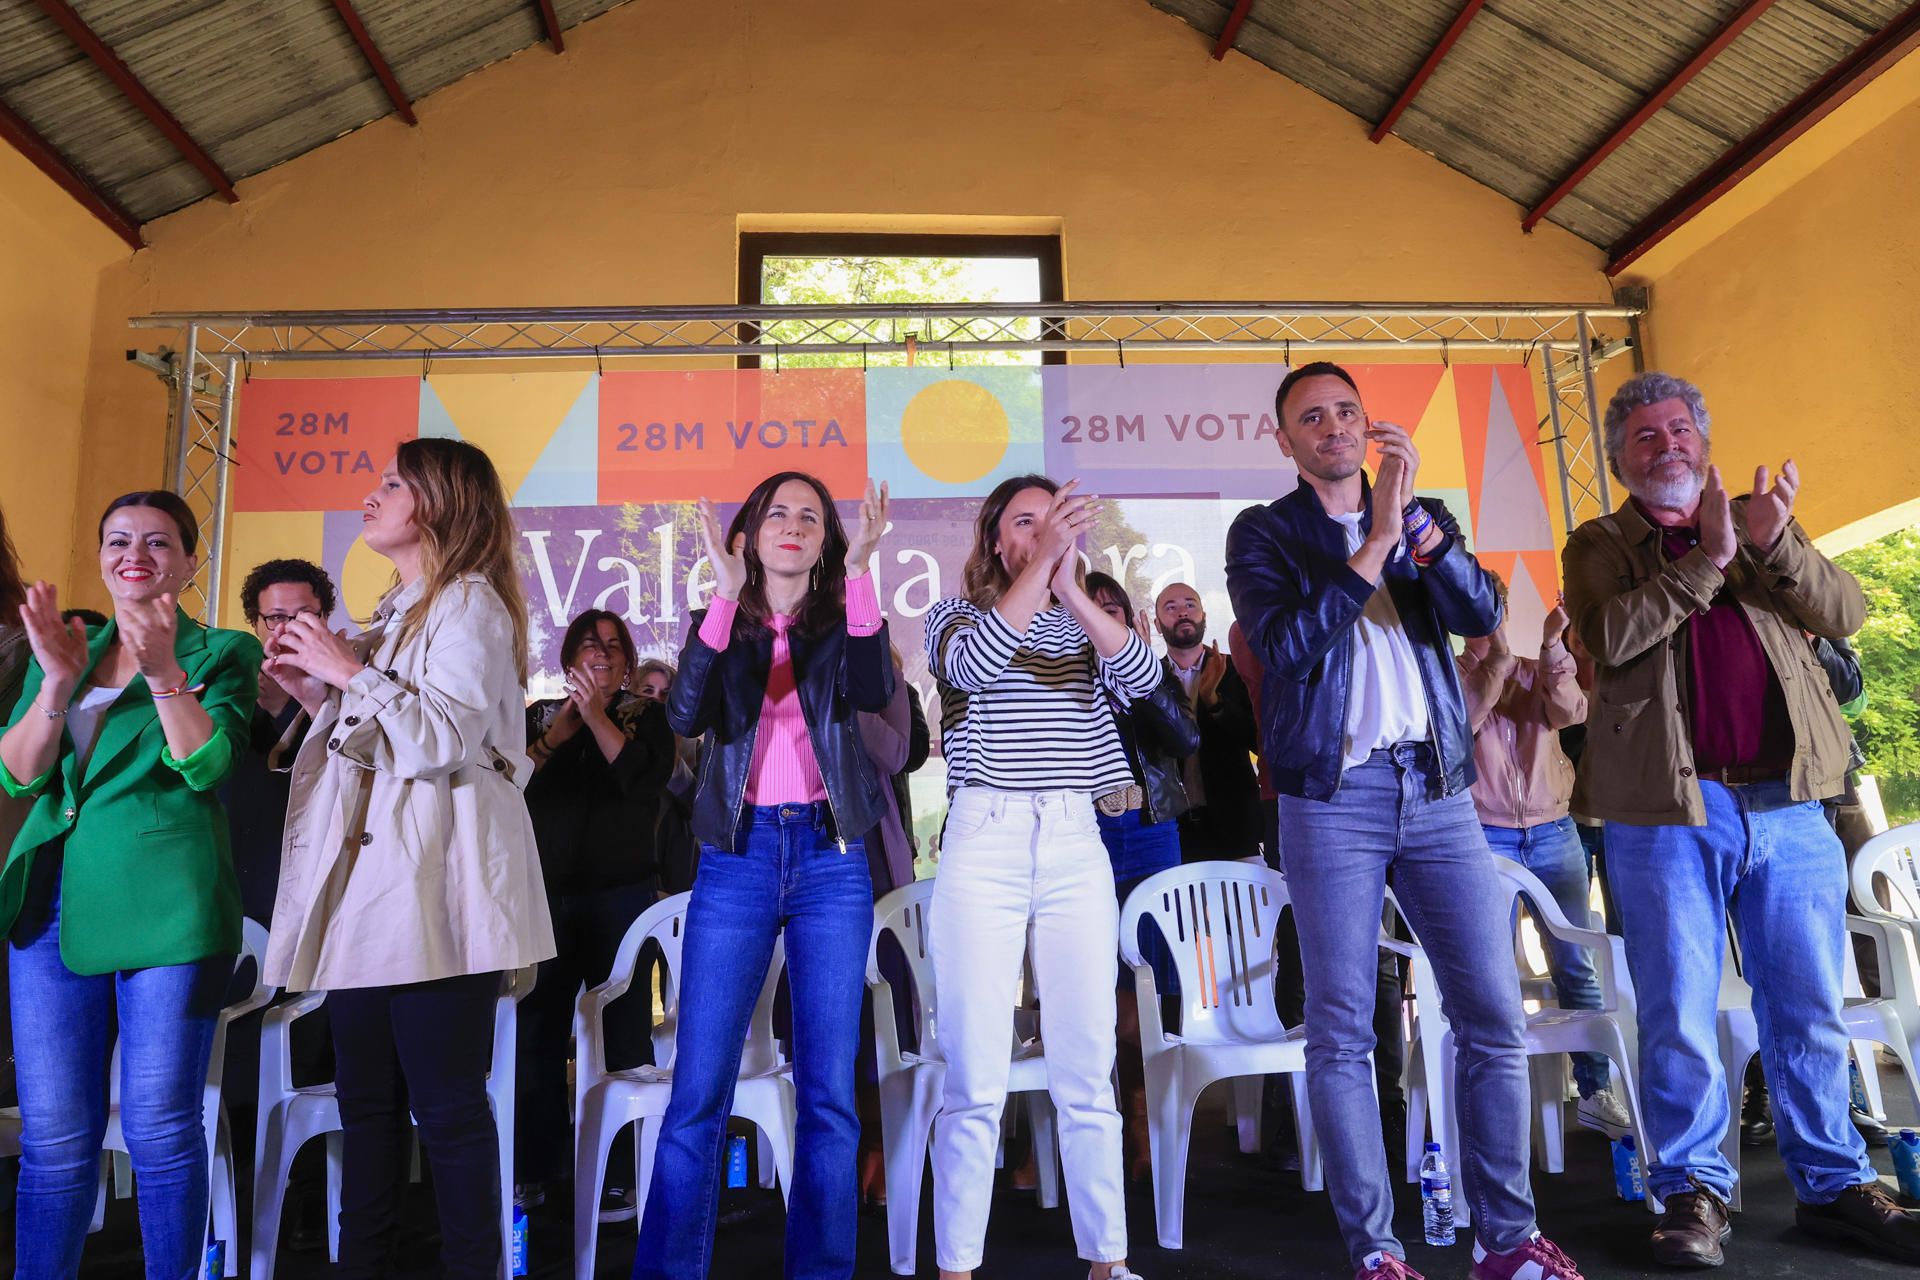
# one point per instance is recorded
(148, 876)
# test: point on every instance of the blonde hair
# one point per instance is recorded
(466, 528)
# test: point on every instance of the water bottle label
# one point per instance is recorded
(216, 1264)
(737, 1161)
(1856, 1087)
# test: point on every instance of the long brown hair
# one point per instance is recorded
(13, 588)
(826, 600)
(986, 579)
(466, 527)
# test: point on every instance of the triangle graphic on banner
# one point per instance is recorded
(1443, 463)
(1513, 512)
(567, 472)
(510, 415)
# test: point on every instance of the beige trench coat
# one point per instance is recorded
(409, 854)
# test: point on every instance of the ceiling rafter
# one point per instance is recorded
(129, 84)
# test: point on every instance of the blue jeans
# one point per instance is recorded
(1552, 851)
(1781, 871)
(1137, 850)
(62, 1038)
(1337, 855)
(790, 875)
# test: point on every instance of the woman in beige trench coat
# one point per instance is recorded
(409, 879)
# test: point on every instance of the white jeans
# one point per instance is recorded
(1009, 858)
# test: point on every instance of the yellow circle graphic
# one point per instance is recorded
(954, 431)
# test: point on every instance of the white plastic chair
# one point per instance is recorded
(1611, 1029)
(911, 1081)
(606, 1101)
(221, 1204)
(289, 1117)
(1218, 920)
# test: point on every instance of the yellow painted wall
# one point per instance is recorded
(622, 171)
(51, 255)
(1794, 304)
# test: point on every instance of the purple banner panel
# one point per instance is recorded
(1166, 430)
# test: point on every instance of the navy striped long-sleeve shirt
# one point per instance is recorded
(1030, 712)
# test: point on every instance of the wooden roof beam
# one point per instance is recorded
(1729, 31)
(371, 52)
(129, 84)
(28, 142)
(1231, 31)
(551, 21)
(1846, 78)
(1428, 64)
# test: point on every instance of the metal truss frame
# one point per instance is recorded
(219, 348)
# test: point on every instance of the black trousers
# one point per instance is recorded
(587, 929)
(423, 1047)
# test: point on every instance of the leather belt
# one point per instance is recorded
(1741, 775)
(1115, 803)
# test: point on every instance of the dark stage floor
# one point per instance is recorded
(1243, 1220)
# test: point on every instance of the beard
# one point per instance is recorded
(1186, 633)
(1674, 494)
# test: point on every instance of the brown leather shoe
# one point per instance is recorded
(1866, 1215)
(1692, 1230)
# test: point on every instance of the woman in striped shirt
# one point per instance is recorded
(1025, 661)
(790, 650)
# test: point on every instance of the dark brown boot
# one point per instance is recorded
(1692, 1230)
(1866, 1215)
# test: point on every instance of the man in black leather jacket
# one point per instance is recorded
(1346, 592)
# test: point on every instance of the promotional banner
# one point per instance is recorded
(603, 469)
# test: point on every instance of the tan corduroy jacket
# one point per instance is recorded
(1629, 606)
(409, 854)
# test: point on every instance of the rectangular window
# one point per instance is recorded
(804, 268)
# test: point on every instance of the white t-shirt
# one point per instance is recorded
(1386, 702)
(84, 715)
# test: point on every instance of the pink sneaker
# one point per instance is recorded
(1388, 1268)
(1537, 1259)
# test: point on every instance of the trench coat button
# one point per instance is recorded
(69, 813)
(392, 674)
(333, 744)
(500, 765)
(1619, 728)
(353, 720)
(1686, 771)
(366, 837)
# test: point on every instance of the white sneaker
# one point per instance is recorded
(1604, 1111)
(1122, 1273)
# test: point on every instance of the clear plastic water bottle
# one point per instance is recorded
(1856, 1087)
(1628, 1183)
(519, 1237)
(1436, 1196)
(216, 1262)
(1906, 1163)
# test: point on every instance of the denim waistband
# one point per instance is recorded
(811, 813)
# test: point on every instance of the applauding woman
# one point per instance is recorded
(119, 891)
(1030, 669)
(791, 649)
(409, 880)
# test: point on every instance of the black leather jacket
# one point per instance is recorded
(1158, 733)
(720, 693)
(1297, 600)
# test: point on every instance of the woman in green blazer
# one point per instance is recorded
(118, 893)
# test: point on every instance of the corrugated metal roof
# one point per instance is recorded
(1534, 86)
(253, 82)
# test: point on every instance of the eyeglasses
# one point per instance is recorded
(282, 619)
